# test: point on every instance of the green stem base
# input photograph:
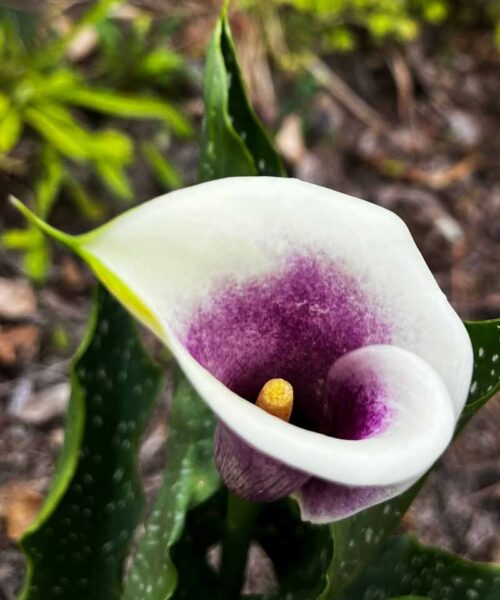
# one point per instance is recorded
(240, 523)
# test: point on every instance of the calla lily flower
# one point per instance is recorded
(256, 279)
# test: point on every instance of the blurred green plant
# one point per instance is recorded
(295, 26)
(133, 55)
(47, 100)
(338, 24)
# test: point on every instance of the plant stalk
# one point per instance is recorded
(241, 518)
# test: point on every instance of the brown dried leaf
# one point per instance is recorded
(19, 505)
(18, 344)
(72, 276)
(17, 299)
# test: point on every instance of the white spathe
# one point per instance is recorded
(172, 251)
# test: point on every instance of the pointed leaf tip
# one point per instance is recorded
(44, 227)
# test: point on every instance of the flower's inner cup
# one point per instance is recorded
(294, 324)
(358, 406)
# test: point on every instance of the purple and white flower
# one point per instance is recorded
(251, 279)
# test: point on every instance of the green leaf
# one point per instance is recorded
(245, 121)
(154, 566)
(126, 105)
(485, 336)
(36, 257)
(37, 260)
(165, 172)
(111, 145)
(86, 205)
(4, 105)
(300, 551)
(234, 141)
(115, 178)
(77, 545)
(358, 539)
(405, 567)
(190, 478)
(203, 529)
(11, 125)
(64, 134)
(48, 184)
(160, 62)
(20, 239)
(52, 84)
(410, 598)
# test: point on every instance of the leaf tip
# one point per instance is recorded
(20, 206)
(40, 224)
(225, 9)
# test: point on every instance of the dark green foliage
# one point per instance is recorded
(300, 551)
(42, 97)
(135, 56)
(356, 540)
(234, 142)
(190, 477)
(407, 567)
(77, 546)
(485, 336)
(204, 528)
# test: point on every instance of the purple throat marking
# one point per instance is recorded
(294, 324)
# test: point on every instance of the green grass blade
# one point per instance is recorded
(127, 105)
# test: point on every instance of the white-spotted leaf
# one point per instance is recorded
(77, 545)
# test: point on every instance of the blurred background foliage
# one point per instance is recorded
(295, 26)
(53, 105)
(71, 86)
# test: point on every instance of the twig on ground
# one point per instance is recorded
(344, 94)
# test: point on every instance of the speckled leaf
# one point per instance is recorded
(300, 551)
(190, 478)
(77, 545)
(359, 538)
(485, 336)
(203, 530)
(409, 598)
(407, 567)
(234, 142)
(356, 541)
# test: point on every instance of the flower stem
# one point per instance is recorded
(240, 522)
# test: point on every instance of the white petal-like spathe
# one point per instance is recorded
(393, 418)
(176, 251)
